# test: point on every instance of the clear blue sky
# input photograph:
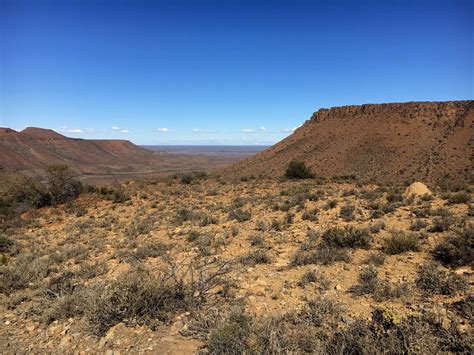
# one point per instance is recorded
(222, 72)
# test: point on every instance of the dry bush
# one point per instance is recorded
(314, 276)
(441, 224)
(456, 250)
(311, 215)
(386, 333)
(319, 254)
(258, 256)
(347, 237)
(432, 280)
(347, 212)
(370, 283)
(375, 258)
(458, 197)
(401, 242)
(240, 215)
(418, 224)
(142, 297)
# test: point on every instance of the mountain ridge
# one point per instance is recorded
(391, 142)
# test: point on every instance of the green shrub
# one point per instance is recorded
(298, 170)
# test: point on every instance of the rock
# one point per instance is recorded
(417, 189)
(65, 341)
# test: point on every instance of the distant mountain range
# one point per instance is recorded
(388, 143)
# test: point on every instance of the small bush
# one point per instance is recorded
(369, 283)
(401, 242)
(376, 227)
(324, 255)
(314, 276)
(441, 224)
(259, 256)
(256, 240)
(347, 237)
(240, 215)
(330, 204)
(435, 281)
(459, 197)
(456, 250)
(376, 259)
(298, 170)
(5, 244)
(418, 224)
(140, 297)
(347, 212)
(311, 215)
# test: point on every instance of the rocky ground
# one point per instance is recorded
(181, 266)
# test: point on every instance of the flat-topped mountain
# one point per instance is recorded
(390, 142)
(35, 148)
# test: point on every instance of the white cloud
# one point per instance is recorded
(260, 129)
(124, 131)
(200, 130)
(66, 129)
(289, 130)
(115, 128)
(164, 129)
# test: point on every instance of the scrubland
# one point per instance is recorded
(201, 264)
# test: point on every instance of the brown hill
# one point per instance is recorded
(33, 149)
(380, 142)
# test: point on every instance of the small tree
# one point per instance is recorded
(298, 170)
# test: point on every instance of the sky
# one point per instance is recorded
(229, 72)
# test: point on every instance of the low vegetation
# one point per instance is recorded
(253, 266)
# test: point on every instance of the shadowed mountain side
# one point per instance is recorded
(380, 142)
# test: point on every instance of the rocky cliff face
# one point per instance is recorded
(377, 142)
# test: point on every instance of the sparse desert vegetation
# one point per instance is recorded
(253, 266)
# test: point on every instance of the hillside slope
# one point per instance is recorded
(378, 142)
(33, 149)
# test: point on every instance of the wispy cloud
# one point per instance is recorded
(164, 129)
(115, 128)
(260, 129)
(66, 129)
(124, 131)
(289, 130)
(201, 130)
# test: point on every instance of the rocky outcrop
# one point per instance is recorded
(393, 142)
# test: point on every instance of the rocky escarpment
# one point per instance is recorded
(386, 143)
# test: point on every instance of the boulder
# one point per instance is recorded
(417, 189)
